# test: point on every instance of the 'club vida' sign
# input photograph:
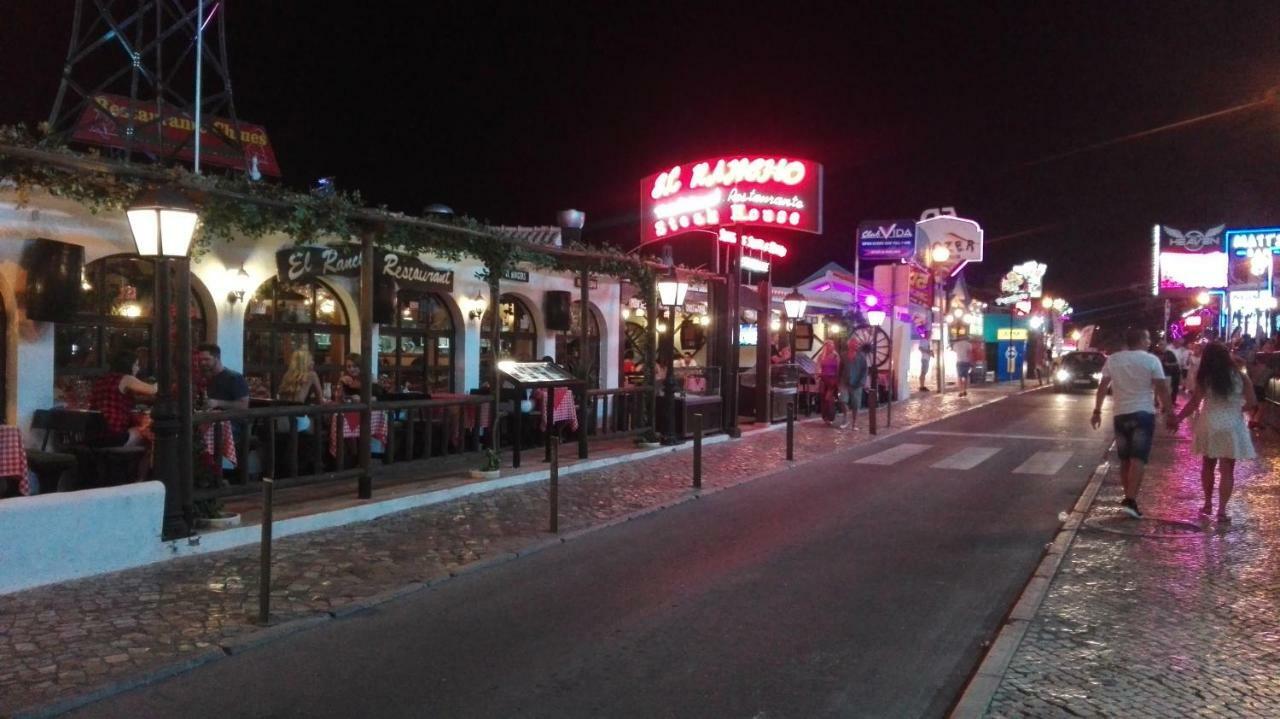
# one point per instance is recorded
(410, 273)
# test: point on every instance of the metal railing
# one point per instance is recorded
(295, 444)
(615, 413)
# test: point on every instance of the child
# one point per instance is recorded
(1220, 435)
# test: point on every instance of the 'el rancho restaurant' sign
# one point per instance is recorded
(408, 272)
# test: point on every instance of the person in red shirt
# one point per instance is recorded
(114, 395)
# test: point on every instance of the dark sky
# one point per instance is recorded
(508, 112)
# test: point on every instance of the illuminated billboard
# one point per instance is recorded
(746, 190)
(1185, 260)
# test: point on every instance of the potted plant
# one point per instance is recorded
(648, 440)
(490, 466)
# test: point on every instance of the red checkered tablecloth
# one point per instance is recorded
(351, 428)
(13, 458)
(564, 410)
(473, 416)
(209, 436)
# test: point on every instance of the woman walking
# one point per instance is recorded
(828, 360)
(1219, 435)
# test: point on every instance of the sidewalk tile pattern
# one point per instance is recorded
(1171, 627)
(70, 638)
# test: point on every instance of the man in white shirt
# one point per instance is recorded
(1183, 355)
(1137, 379)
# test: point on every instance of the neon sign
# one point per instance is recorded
(1186, 271)
(743, 190)
(1245, 243)
(750, 242)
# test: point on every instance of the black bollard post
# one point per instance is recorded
(264, 574)
(873, 405)
(697, 451)
(791, 431)
(555, 488)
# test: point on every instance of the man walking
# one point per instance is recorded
(853, 377)
(1137, 379)
(964, 363)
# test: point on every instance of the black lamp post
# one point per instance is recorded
(163, 222)
(794, 305)
(671, 293)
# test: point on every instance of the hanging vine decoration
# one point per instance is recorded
(233, 207)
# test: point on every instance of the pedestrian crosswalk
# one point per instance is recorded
(1042, 462)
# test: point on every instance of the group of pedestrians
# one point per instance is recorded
(1221, 394)
(842, 377)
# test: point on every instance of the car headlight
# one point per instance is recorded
(1097, 375)
(1063, 375)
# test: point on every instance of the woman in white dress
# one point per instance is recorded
(1219, 435)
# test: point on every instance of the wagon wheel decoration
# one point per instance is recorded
(879, 341)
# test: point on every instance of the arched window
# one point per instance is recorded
(567, 350)
(417, 349)
(116, 314)
(286, 316)
(518, 338)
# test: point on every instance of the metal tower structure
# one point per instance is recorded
(141, 65)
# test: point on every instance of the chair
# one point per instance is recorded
(96, 466)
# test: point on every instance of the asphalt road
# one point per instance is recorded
(862, 584)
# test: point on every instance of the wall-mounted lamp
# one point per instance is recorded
(478, 306)
(239, 285)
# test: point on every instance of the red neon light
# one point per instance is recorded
(1193, 321)
(743, 190)
(754, 243)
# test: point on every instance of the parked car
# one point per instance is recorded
(1078, 369)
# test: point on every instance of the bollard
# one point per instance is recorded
(791, 431)
(697, 451)
(264, 574)
(873, 404)
(555, 488)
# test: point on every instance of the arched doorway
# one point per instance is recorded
(284, 316)
(517, 338)
(417, 350)
(117, 312)
(567, 350)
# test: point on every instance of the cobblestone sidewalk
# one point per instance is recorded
(75, 637)
(1186, 624)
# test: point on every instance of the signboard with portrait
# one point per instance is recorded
(744, 190)
(962, 237)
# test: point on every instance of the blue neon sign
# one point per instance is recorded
(1243, 243)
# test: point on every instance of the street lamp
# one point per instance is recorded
(163, 222)
(875, 317)
(794, 305)
(1046, 302)
(671, 292)
(1036, 322)
(1203, 298)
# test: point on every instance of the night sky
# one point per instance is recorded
(511, 112)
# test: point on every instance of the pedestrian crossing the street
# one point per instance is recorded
(1041, 463)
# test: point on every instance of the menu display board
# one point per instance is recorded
(536, 372)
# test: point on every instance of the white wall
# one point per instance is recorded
(57, 537)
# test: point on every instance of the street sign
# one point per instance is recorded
(886, 239)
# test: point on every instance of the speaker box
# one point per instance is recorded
(384, 300)
(53, 280)
(555, 310)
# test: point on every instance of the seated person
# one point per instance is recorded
(350, 383)
(114, 395)
(300, 384)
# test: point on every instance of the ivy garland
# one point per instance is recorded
(234, 207)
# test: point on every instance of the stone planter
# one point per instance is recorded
(648, 445)
(485, 474)
(224, 520)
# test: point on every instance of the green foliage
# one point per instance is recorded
(491, 461)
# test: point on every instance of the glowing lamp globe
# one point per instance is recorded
(794, 304)
(163, 222)
(939, 254)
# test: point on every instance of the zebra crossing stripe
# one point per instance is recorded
(893, 455)
(967, 458)
(1047, 462)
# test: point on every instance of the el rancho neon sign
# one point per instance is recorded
(750, 191)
